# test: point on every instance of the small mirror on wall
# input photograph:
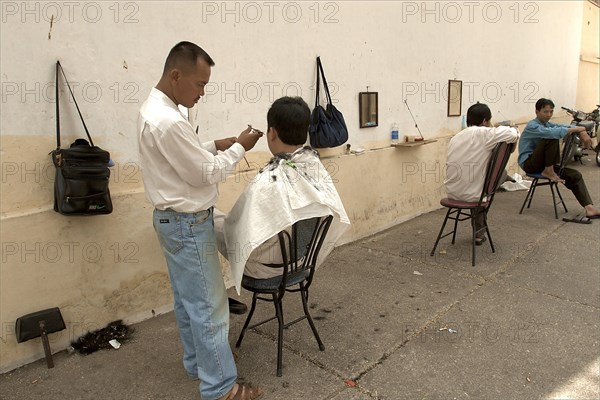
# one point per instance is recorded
(454, 98)
(367, 104)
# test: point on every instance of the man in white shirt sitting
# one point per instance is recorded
(469, 152)
(293, 186)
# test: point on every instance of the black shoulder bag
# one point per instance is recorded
(327, 126)
(82, 174)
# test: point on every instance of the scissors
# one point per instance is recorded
(253, 130)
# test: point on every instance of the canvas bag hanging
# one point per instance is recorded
(82, 173)
(327, 126)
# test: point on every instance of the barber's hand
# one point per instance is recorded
(224, 144)
(248, 139)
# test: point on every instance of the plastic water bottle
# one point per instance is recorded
(395, 133)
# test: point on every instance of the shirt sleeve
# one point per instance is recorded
(192, 161)
(210, 146)
(535, 130)
(501, 134)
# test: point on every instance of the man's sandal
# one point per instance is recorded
(480, 240)
(246, 392)
(582, 220)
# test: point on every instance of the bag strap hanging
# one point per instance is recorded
(321, 73)
(58, 66)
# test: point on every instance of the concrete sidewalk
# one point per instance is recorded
(524, 323)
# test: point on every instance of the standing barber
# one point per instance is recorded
(180, 177)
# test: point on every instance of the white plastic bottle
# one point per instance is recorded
(394, 133)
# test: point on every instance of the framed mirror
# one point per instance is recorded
(367, 104)
(454, 98)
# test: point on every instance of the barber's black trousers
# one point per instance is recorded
(546, 154)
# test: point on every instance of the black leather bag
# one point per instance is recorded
(327, 126)
(82, 173)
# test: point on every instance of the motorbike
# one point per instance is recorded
(590, 121)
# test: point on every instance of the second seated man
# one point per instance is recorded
(469, 152)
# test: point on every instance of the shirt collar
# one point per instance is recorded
(159, 95)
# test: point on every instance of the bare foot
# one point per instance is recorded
(592, 212)
(552, 176)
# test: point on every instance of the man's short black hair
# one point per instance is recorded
(290, 116)
(477, 113)
(541, 103)
(184, 55)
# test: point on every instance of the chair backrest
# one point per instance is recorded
(495, 167)
(300, 248)
(569, 149)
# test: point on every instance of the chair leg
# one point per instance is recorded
(304, 295)
(561, 199)
(487, 229)
(243, 332)
(534, 186)
(279, 313)
(529, 195)
(473, 239)
(458, 214)
(554, 199)
(440, 234)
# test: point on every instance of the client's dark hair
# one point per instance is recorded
(477, 113)
(290, 116)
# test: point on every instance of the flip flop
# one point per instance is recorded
(596, 216)
(582, 220)
(480, 240)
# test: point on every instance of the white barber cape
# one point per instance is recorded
(292, 187)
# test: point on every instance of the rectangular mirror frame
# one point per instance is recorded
(368, 109)
(454, 98)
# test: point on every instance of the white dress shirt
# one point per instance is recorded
(179, 172)
(469, 151)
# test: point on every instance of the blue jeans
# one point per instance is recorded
(189, 245)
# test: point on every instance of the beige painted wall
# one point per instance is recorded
(98, 269)
(588, 83)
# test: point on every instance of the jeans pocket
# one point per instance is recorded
(200, 218)
(170, 234)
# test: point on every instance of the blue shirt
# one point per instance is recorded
(536, 131)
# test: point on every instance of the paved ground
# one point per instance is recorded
(522, 324)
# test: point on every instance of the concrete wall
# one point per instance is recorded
(98, 269)
(588, 82)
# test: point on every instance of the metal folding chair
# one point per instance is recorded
(465, 210)
(299, 250)
(568, 151)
